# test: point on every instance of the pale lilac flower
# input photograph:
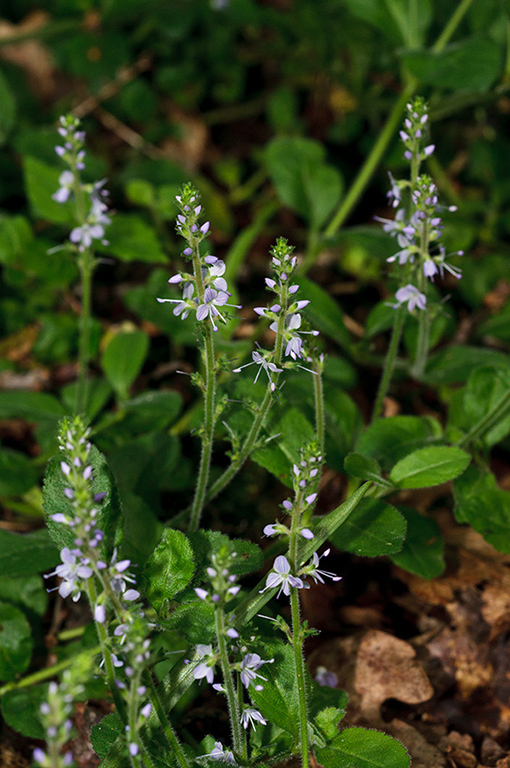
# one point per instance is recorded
(205, 668)
(315, 573)
(269, 368)
(412, 296)
(66, 181)
(184, 305)
(252, 716)
(72, 571)
(249, 666)
(324, 677)
(281, 576)
(294, 347)
(216, 269)
(212, 300)
(218, 752)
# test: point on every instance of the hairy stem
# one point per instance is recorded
(297, 638)
(389, 363)
(209, 400)
(165, 722)
(233, 705)
(499, 410)
(252, 436)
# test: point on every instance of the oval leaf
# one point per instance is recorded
(374, 528)
(169, 569)
(123, 358)
(365, 749)
(429, 466)
(15, 642)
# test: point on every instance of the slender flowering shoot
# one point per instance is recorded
(55, 714)
(417, 225)
(90, 212)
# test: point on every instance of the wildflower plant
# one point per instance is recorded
(417, 228)
(184, 620)
(90, 212)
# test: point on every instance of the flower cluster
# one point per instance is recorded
(56, 713)
(417, 225)
(91, 208)
(205, 290)
(87, 565)
(85, 558)
(284, 313)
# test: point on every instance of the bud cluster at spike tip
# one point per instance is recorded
(211, 269)
(417, 225)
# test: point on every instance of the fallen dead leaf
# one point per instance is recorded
(387, 668)
(30, 55)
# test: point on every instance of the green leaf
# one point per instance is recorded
(169, 569)
(343, 424)
(369, 469)
(103, 734)
(155, 409)
(484, 506)
(41, 182)
(323, 311)
(374, 528)
(20, 709)
(455, 364)
(392, 18)
(302, 179)
(15, 238)
(27, 553)
(15, 642)
(123, 358)
(294, 431)
(388, 440)
(422, 552)
(485, 387)
(32, 406)
(429, 466)
(25, 592)
(55, 501)
(363, 748)
(130, 238)
(141, 192)
(8, 111)
(472, 64)
(327, 721)
(207, 543)
(278, 701)
(17, 473)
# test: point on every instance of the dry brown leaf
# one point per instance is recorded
(387, 668)
(423, 753)
(30, 55)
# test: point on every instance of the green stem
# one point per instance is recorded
(108, 663)
(45, 674)
(389, 363)
(233, 706)
(209, 398)
(252, 436)
(165, 722)
(372, 160)
(86, 268)
(452, 25)
(424, 319)
(422, 344)
(318, 392)
(496, 413)
(392, 123)
(132, 737)
(297, 640)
